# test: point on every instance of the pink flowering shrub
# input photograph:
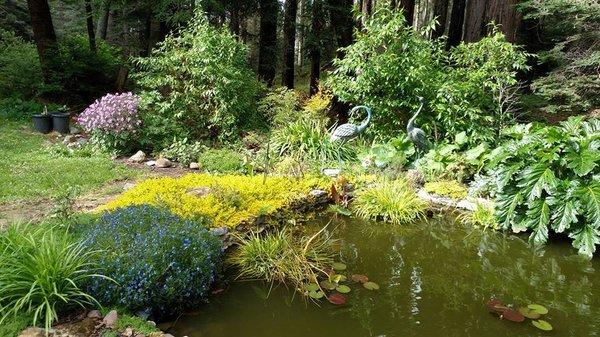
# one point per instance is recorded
(113, 113)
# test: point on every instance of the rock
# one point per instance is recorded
(151, 323)
(78, 143)
(33, 332)
(94, 314)
(318, 193)
(415, 178)
(151, 163)
(111, 319)
(163, 163)
(138, 157)
(128, 332)
(74, 131)
(128, 186)
(194, 166)
(168, 335)
(219, 231)
(70, 139)
(139, 335)
(331, 172)
(199, 192)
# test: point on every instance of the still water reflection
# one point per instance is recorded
(435, 279)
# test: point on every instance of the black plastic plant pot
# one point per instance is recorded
(42, 123)
(60, 122)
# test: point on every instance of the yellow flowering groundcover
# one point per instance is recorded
(227, 200)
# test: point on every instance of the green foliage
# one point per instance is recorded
(280, 106)
(482, 217)
(183, 152)
(569, 31)
(19, 109)
(391, 201)
(469, 89)
(221, 161)
(20, 70)
(393, 154)
(447, 188)
(547, 179)
(197, 84)
(283, 256)
(309, 140)
(42, 271)
(137, 324)
(15, 325)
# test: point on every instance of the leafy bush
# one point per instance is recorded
(220, 161)
(393, 154)
(196, 85)
(284, 257)
(42, 271)
(192, 196)
(16, 108)
(547, 178)
(20, 70)
(569, 32)
(158, 260)
(447, 188)
(182, 151)
(280, 106)
(483, 217)
(391, 201)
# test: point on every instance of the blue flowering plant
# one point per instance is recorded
(158, 261)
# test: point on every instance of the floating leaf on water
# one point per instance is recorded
(312, 287)
(343, 289)
(328, 285)
(513, 316)
(542, 325)
(337, 299)
(359, 278)
(532, 314)
(338, 266)
(371, 285)
(343, 278)
(316, 294)
(335, 278)
(540, 309)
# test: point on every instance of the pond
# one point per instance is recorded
(436, 278)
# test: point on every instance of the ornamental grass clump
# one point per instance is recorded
(113, 113)
(42, 273)
(391, 201)
(158, 260)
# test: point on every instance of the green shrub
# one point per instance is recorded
(284, 257)
(42, 271)
(547, 178)
(20, 70)
(197, 84)
(19, 109)
(483, 217)
(447, 188)
(220, 161)
(280, 106)
(391, 201)
(158, 260)
(183, 152)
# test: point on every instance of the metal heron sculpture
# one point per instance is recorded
(348, 131)
(416, 135)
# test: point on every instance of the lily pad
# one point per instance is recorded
(312, 287)
(540, 309)
(338, 266)
(513, 316)
(542, 325)
(359, 278)
(337, 299)
(316, 294)
(343, 289)
(336, 278)
(371, 285)
(532, 314)
(328, 285)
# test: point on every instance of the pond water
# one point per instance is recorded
(435, 279)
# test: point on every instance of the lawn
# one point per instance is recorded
(28, 171)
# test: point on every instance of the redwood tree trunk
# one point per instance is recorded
(440, 11)
(89, 17)
(267, 59)
(457, 19)
(315, 46)
(102, 27)
(408, 6)
(289, 38)
(43, 30)
(474, 20)
(342, 22)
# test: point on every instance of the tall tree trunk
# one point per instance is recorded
(102, 26)
(300, 32)
(267, 54)
(474, 20)
(408, 6)
(505, 14)
(289, 40)
(43, 30)
(342, 22)
(440, 11)
(315, 46)
(366, 10)
(89, 17)
(457, 20)
(234, 20)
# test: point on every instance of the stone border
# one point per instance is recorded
(469, 204)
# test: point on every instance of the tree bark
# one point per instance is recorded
(505, 14)
(440, 12)
(89, 17)
(102, 26)
(457, 20)
(289, 40)
(408, 6)
(342, 23)
(43, 31)
(315, 46)
(474, 20)
(267, 54)
(366, 10)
